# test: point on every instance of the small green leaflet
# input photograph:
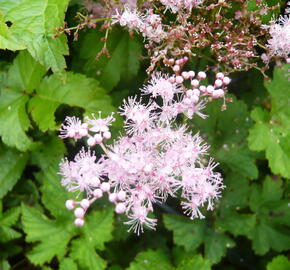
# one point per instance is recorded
(271, 132)
(33, 24)
(280, 262)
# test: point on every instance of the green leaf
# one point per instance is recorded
(8, 219)
(86, 255)
(272, 216)
(11, 166)
(196, 262)
(73, 90)
(96, 231)
(52, 235)
(197, 232)
(280, 262)
(23, 76)
(4, 265)
(67, 264)
(14, 119)
(25, 73)
(123, 62)
(271, 132)
(181, 226)
(33, 26)
(150, 260)
(48, 153)
(226, 132)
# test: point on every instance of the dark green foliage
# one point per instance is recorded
(249, 228)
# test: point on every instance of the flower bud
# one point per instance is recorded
(176, 68)
(107, 135)
(191, 73)
(179, 79)
(79, 212)
(196, 92)
(91, 141)
(121, 195)
(98, 193)
(210, 89)
(226, 80)
(201, 75)
(98, 138)
(70, 204)
(194, 83)
(218, 83)
(113, 197)
(79, 222)
(120, 208)
(85, 203)
(220, 75)
(105, 187)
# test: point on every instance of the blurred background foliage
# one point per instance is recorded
(43, 79)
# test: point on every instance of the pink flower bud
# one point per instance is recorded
(83, 132)
(187, 101)
(79, 222)
(210, 89)
(189, 93)
(91, 141)
(107, 135)
(196, 92)
(176, 68)
(185, 75)
(121, 195)
(218, 83)
(220, 75)
(202, 88)
(185, 59)
(226, 80)
(79, 212)
(218, 93)
(96, 181)
(201, 75)
(70, 204)
(120, 208)
(194, 98)
(179, 79)
(172, 79)
(194, 83)
(85, 203)
(98, 138)
(191, 73)
(105, 187)
(98, 193)
(113, 197)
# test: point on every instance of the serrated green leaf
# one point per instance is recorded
(98, 228)
(272, 214)
(33, 26)
(226, 132)
(8, 219)
(11, 166)
(197, 262)
(25, 73)
(14, 119)
(197, 232)
(271, 132)
(151, 260)
(181, 226)
(52, 235)
(68, 264)
(86, 255)
(73, 90)
(280, 262)
(48, 153)
(123, 62)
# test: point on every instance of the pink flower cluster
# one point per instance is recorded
(279, 44)
(148, 24)
(177, 5)
(156, 158)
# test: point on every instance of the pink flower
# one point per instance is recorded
(73, 128)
